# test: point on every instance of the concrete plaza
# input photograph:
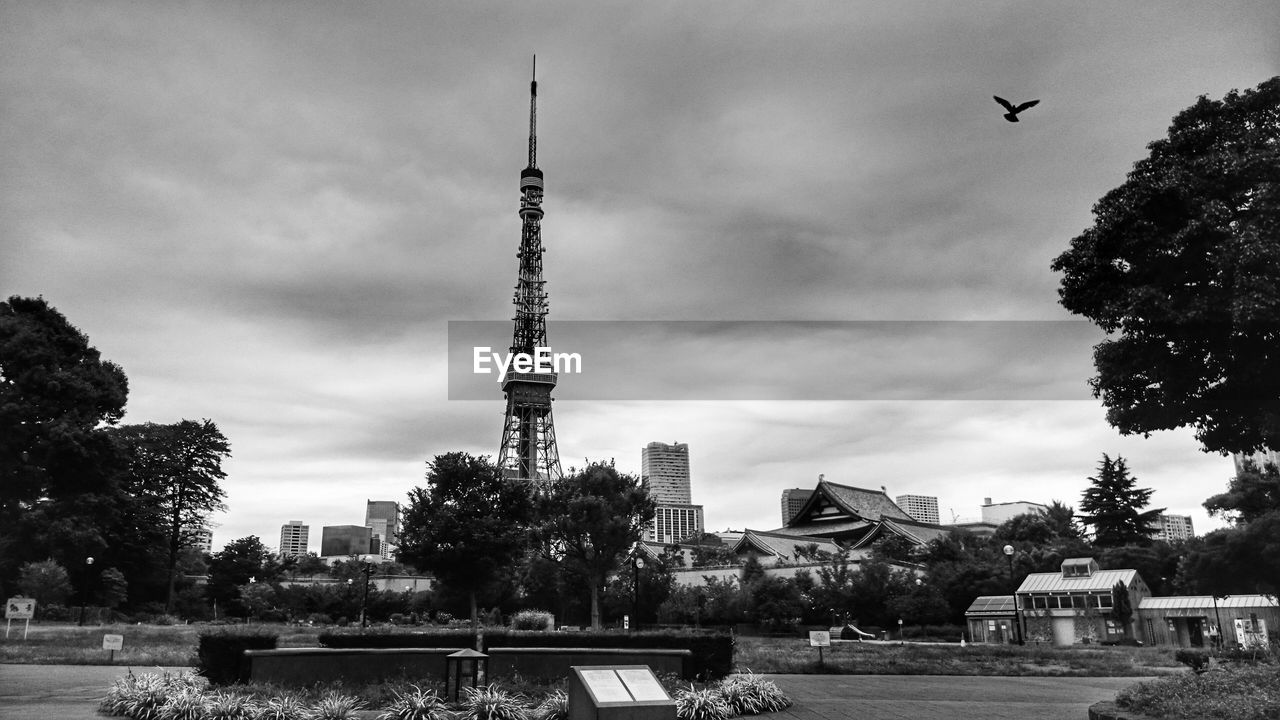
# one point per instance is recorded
(72, 692)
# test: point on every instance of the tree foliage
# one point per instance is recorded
(235, 565)
(469, 524)
(46, 581)
(177, 469)
(1252, 493)
(1239, 560)
(590, 520)
(57, 486)
(1182, 270)
(1113, 506)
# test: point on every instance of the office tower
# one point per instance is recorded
(1171, 528)
(199, 537)
(293, 539)
(920, 507)
(345, 540)
(383, 517)
(793, 500)
(664, 472)
(1261, 459)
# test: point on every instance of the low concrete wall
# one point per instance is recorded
(305, 666)
(554, 663)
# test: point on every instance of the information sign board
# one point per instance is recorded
(819, 638)
(606, 686)
(642, 684)
(19, 608)
(112, 642)
(617, 692)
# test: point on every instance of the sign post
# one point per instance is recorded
(112, 643)
(820, 639)
(19, 608)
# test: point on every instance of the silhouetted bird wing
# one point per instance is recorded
(1007, 105)
(1025, 105)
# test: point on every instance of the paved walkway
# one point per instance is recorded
(943, 697)
(72, 692)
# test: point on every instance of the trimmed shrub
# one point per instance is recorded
(712, 650)
(416, 704)
(750, 694)
(706, 704)
(1244, 693)
(220, 654)
(533, 620)
(554, 707)
(1197, 660)
(142, 696)
(490, 703)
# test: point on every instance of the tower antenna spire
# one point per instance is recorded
(533, 116)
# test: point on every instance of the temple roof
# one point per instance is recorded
(834, 502)
(779, 545)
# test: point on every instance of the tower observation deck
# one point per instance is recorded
(528, 447)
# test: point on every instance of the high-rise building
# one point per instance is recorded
(675, 523)
(528, 448)
(293, 538)
(1171, 528)
(199, 537)
(345, 540)
(383, 518)
(1261, 459)
(664, 472)
(921, 507)
(793, 500)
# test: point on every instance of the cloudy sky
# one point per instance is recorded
(270, 213)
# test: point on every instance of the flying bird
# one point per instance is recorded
(1012, 115)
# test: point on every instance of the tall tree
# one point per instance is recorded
(232, 568)
(591, 519)
(46, 581)
(1252, 493)
(1181, 269)
(177, 469)
(1121, 607)
(469, 524)
(56, 392)
(1113, 506)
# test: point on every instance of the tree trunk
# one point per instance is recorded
(595, 606)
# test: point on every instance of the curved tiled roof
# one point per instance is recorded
(855, 501)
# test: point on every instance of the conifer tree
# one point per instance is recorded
(1113, 506)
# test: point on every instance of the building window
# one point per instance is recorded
(1041, 602)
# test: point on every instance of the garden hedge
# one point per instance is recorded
(712, 650)
(220, 654)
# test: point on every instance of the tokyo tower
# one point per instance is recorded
(528, 434)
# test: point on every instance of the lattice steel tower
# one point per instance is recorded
(528, 434)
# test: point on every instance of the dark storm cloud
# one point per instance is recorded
(268, 212)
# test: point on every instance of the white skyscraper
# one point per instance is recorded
(293, 538)
(1170, 528)
(921, 507)
(664, 472)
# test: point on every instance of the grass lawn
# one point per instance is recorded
(793, 655)
(144, 645)
(175, 646)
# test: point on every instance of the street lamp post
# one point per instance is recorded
(364, 601)
(637, 564)
(84, 587)
(1218, 616)
(1017, 616)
